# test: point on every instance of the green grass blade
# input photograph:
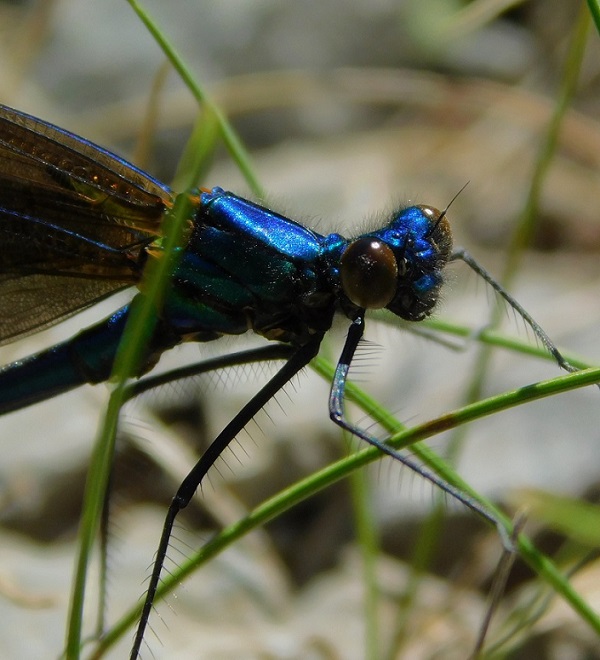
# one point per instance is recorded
(142, 319)
(579, 521)
(230, 138)
(487, 336)
(137, 333)
(401, 438)
(594, 7)
(524, 231)
(527, 224)
(368, 543)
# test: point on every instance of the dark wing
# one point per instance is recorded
(74, 221)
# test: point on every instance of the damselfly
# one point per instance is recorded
(78, 224)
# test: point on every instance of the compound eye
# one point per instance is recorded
(439, 222)
(431, 212)
(369, 272)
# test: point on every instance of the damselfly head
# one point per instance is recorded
(399, 266)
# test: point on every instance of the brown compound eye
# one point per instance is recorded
(369, 272)
(440, 227)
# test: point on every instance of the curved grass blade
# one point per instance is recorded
(139, 328)
(401, 438)
(230, 137)
(523, 232)
(137, 334)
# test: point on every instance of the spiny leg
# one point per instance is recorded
(462, 255)
(261, 354)
(189, 485)
(336, 413)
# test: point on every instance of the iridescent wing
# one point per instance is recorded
(74, 221)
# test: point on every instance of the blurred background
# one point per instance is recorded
(348, 109)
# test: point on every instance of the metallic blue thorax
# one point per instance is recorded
(248, 268)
